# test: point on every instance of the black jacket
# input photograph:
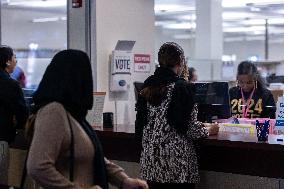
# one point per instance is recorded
(13, 109)
(181, 104)
(262, 104)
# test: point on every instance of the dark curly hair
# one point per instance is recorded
(170, 54)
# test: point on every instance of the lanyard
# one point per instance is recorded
(245, 109)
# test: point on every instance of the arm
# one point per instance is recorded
(19, 107)
(49, 140)
(141, 117)
(196, 129)
(115, 173)
(118, 177)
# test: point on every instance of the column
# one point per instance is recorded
(209, 39)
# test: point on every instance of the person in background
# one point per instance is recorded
(166, 123)
(13, 109)
(19, 75)
(65, 151)
(192, 76)
(250, 98)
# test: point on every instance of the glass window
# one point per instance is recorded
(36, 30)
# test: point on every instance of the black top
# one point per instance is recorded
(180, 107)
(261, 105)
(13, 109)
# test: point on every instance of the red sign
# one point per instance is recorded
(142, 62)
(77, 3)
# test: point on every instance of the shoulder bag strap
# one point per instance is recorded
(71, 162)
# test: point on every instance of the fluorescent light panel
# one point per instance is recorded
(243, 29)
(243, 3)
(39, 3)
(237, 15)
(164, 8)
(180, 26)
(49, 19)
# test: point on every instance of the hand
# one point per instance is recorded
(95, 187)
(131, 183)
(212, 128)
(207, 124)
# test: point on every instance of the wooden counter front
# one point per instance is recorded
(226, 152)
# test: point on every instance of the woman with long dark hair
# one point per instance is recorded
(65, 151)
(167, 123)
(250, 98)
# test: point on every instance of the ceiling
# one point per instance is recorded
(243, 20)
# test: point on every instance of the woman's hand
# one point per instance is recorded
(212, 128)
(131, 183)
(95, 187)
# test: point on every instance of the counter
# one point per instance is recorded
(227, 152)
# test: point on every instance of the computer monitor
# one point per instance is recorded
(28, 95)
(137, 88)
(213, 101)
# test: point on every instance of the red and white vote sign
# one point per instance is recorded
(142, 63)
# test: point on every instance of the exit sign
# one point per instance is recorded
(142, 63)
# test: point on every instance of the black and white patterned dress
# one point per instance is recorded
(169, 157)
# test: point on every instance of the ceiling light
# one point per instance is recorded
(51, 19)
(161, 8)
(234, 39)
(180, 26)
(243, 29)
(187, 17)
(183, 36)
(281, 11)
(162, 23)
(33, 3)
(33, 46)
(253, 22)
(237, 15)
(245, 3)
(276, 21)
(255, 9)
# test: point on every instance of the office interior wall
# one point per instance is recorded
(243, 50)
(122, 20)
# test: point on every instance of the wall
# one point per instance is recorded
(123, 20)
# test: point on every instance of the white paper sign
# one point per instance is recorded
(94, 116)
(142, 63)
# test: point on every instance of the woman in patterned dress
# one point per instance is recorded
(167, 123)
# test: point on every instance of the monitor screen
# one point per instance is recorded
(28, 95)
(213, 101)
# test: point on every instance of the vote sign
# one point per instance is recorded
(121, 62)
